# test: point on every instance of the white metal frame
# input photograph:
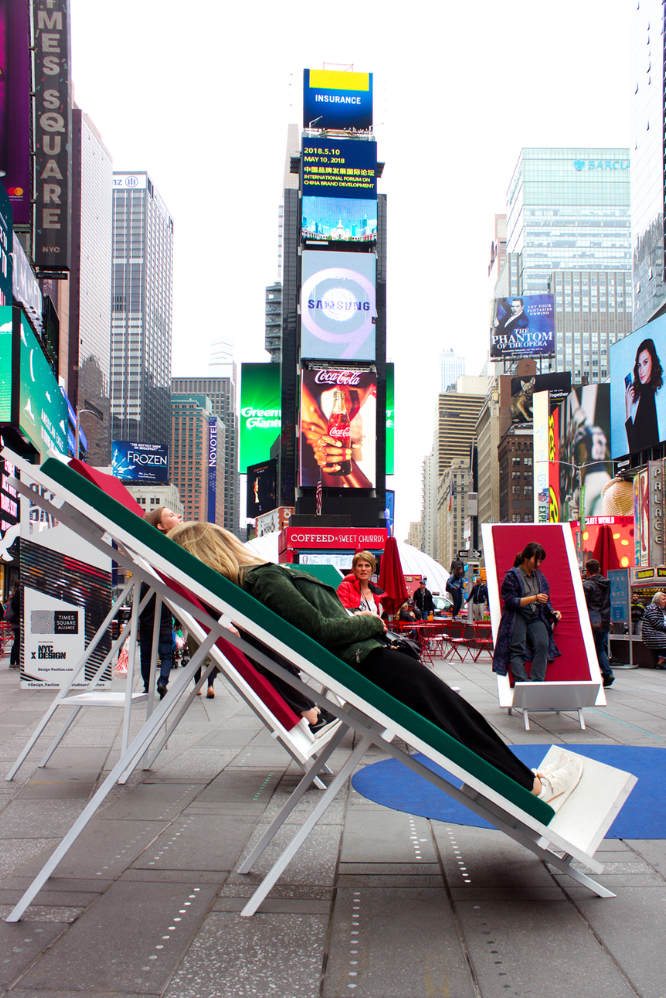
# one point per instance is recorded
(547, 697)
(573, 833)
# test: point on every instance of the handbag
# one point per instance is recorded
(400, 642)
(595, 620)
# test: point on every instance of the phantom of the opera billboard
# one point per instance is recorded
(523, 327)
(338, 309)
(338, 428)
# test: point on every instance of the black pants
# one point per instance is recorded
(532, 631)
(417, 687)
(16, 647)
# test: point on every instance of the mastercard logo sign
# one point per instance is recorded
(15, 192)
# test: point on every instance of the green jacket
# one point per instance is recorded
(313, 607)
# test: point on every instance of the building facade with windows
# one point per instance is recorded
(221, 391)
(648, 179)
(190, 457)
(141, 317)
(516, 476)
(452, 489)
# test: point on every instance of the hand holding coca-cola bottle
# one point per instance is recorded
(333, 449)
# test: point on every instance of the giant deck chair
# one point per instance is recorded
(574, 833)
(573, 681)
(290, 730)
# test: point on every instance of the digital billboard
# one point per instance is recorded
(583, 422)
(261, 488)
(30, 398)
(6, 237)
(345, 168)
(638, 396)
(390, 419)
(15, 107)
(338, 428)
(143, 464)
(335, 99)
(523, 327)
(339, 220)
(338, 308)
(261, 412)
(518, 393)
(52, 134)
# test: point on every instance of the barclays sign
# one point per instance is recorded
(601, 164)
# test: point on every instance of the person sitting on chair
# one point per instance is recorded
(526, 628)
(314, 608)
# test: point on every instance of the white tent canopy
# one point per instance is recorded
(414, 562)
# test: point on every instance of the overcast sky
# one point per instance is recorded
(201, 94)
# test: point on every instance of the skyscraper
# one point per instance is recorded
(221, 390)
(90, 284)
(141, 318)
(648, 183)
(452, 367)
(568, 233)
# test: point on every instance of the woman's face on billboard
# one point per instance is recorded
(644, 366)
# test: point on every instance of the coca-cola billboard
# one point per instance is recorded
(338, 428)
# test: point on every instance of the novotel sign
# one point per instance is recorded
(332, 538)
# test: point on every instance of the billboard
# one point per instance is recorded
(345, 168)
(523, 327)
(638, 398)
(390, 419)
(540, 411)
(518, 393)
(334, 99)
(338, 308)
(52, 134)
(584, 442)
(142, 464)
(261, 412)
(6, 237)
(338, 427)
(261, 488)
(15, 107)
(30, 398)
(339, 219)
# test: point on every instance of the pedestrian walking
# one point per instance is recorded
(423, 601)
(13, 616)
(478, 597)
(598, 598)
(454, 587)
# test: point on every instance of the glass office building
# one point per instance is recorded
(647, 161)
(569, 209)
(141, 316)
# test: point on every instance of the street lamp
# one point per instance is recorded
(87, 407)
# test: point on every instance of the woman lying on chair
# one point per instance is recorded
(526, 627)
(315, 609)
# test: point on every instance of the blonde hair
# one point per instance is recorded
(657, 596)
(155, 516)
(365, 556)
(216, 547)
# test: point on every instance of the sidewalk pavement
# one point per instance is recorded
(147, 901)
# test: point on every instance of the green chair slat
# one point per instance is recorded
(299, 642)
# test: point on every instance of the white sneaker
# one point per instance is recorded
(557, 784)
(560, 759)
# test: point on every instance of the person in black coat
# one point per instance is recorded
(642, 425)
(423, 601)
(598, 598)
(15, 603)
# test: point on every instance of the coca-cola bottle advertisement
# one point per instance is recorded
(338, 428)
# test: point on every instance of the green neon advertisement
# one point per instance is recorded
(42, 406)
(261, 412)
(5, 363)
(390, 407)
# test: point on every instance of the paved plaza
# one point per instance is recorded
(377, 904)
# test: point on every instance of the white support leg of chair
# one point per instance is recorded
(526, 719)
(581, 719)
(327, 798)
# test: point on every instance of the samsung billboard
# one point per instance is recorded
(141, 464)
(338, 309)
(339, 100)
